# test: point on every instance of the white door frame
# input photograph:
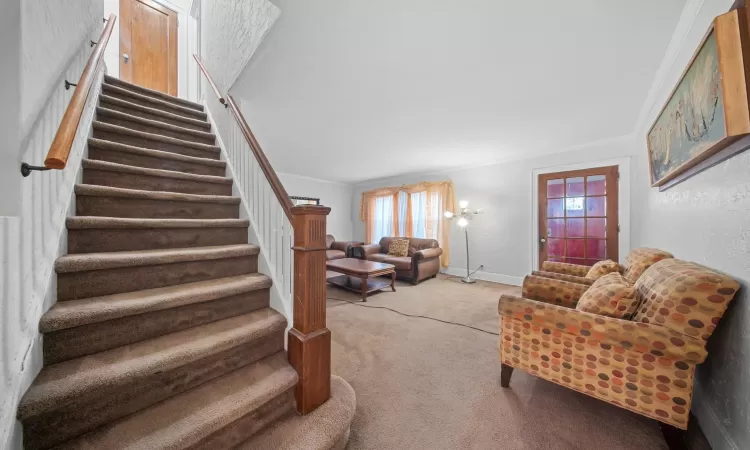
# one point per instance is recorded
(623, 192)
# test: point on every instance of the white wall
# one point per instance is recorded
(707, 219)
(501, 239)
(10, 98)
(337, 196)
(186, 40)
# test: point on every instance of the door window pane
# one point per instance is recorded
(596, 185)
(555, 208)
(556, 247)
(574, 207)
(596, 228)
(591, 262)
(575, 248)
(555, 188)
(575, 228)
(596, 248)
(556, 228)
(579, 261)
(575, 187)
(596, 206)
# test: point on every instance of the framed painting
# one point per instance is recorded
(296, 201)
(708, 109)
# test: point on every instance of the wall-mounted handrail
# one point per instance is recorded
(265, 165)
(222, 100)
(57, 157)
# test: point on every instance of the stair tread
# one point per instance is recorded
(103, 111)
(81, 262)
(116, 146)
(108, 191)
(104, 98)
(124, 168)
(96, 222)
(186, 419)
(117, 90)
(75, 313)
(58, 384)
(98, 125)
(146, 91)
(318, 430)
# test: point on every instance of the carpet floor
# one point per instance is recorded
(423, 384)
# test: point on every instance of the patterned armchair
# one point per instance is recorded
(646, 364)
(637, 261)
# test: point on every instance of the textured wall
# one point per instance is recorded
(51, 32)
(30, 243)
(231, 31)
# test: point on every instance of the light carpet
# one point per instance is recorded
(422, 384)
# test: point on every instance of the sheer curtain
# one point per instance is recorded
(383, 218)
(411, 211)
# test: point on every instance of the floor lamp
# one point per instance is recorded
(463, 221)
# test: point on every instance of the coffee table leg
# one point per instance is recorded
(393, 281)
(364, 289)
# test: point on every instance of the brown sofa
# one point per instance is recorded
(422, 262)
(338, 249)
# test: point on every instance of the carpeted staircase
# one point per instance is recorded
(162, 336)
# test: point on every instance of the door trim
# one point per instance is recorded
(623, 192)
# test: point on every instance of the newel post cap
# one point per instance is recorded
(310, 210)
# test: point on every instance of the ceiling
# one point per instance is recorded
(360, 89)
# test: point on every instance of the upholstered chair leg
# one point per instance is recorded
(674, 437)
(505, 373)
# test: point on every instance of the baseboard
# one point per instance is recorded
(486, 276)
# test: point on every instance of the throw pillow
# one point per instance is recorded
(602, 268)
(398, 247)
(610, 295)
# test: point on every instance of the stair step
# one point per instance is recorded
(325, 428)
(77, 396)
(82, 327)
(153, 126)
(95, 274)
(117, 202)
(151, 102)
(152, 93)
(104, 173)
(116, 152)
(202, 417)
(115, 234)
(134, 109)
(153, 141)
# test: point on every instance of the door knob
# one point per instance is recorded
(542, 240)
(125, 57)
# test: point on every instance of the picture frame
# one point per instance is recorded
(296, 201)
(708, 111)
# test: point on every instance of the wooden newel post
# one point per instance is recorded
(309, 339)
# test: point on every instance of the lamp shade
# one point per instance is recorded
(449, 214)
(463, 204)
(462, 222)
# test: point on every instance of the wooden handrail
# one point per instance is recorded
(57, 157)
(273, 179)
(222, 100)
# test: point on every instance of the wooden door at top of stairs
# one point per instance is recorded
(148, 45)
(578, 216)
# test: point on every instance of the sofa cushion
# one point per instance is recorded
(334, 254)
(640, 259)
(398, 247)
(683, 296)
(401, 262)
(602, 268)
(611, 295)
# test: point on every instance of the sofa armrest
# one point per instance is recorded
(606, 331)
(563, 277)
(344, 246)
(549, 290)
(363, 251)
(427, 253)
(565, 268)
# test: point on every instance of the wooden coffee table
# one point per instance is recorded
(358, 275)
